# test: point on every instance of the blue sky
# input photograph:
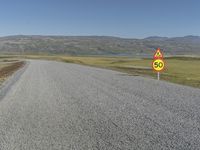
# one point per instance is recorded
(123, 18)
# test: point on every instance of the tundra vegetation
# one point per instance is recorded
(180, 69)
(8, 66)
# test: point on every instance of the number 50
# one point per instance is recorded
(158, 64)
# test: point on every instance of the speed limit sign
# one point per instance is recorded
(158, 65)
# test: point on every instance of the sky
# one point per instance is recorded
(122, 18)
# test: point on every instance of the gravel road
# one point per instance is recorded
(60, 106)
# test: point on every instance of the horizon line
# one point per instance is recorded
(61, 35)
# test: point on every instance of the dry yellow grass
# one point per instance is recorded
(181, 70)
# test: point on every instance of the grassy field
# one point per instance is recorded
(181, 70)
(184, 71)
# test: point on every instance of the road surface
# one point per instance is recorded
(60, 106)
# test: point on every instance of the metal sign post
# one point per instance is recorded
(158, 74)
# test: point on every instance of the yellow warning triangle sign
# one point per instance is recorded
(158, 54)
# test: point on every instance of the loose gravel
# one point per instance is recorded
(60, 106)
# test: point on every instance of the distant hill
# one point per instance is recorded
(98, 45)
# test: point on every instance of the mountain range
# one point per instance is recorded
(98, 45)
